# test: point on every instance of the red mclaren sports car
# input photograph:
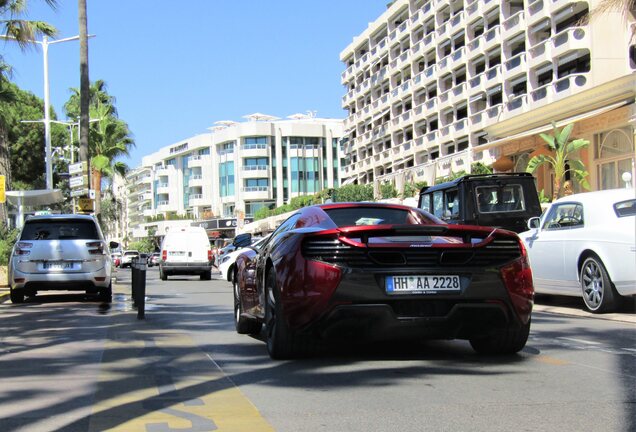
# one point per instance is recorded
(383, 272)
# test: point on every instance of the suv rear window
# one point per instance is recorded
(497, 199)
(59, 230)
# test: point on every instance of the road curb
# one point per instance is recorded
(626, 318)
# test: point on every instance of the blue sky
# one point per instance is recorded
(177, 67)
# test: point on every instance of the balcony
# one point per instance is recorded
(516, 105)
(163, 188)
(493, 113)
(571, 84)
(458, 20)
(431, 104)
(378, 49)
(492, 38)
(195, 161)
(475, 44)
(456, 57)
(195, 180)
(492, 76)
(572, 39)
(163, 171)
(540, 53)
(430, 74)
(475, 85)
(478, 120)
(512, 25)
(442, 29)
(250, 150)
(515, 64)
(255, 192)
(472, 9)
(196, 200)
(539, 96)
(536, 12)
(444, 99)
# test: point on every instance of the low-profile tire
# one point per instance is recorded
(502, 342)
(282, 342)
(16, 296)
(206, 275)
(162, 274)
(243, 324)
(106, 294)
(597, 289)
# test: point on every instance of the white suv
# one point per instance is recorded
(127, 258)
(60, 252)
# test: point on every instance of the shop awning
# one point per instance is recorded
(547, 127)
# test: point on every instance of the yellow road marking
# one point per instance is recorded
(162, 381)
(551, 360)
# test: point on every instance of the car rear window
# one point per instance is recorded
(625, 208)
(497, 199)
(60, 230)
(352, 216)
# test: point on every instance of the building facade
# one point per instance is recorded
(223, 177)
(435, 85)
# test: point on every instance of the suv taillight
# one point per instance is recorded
(164, 255)
(209, 255)
(95, 248)
(22, 248)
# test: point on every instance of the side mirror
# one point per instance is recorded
(113, 245)
(242, 240)
(533, 222)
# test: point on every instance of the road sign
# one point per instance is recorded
(77, 168)
(78, 182)
(85, 204)
(3, 195)
(79, 192)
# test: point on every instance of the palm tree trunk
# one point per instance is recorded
(96, 181)
(84, 84)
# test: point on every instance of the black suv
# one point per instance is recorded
(498, 200)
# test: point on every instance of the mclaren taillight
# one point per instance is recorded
(95, 248)
(517, 277)
(23, 248)
(164, 255)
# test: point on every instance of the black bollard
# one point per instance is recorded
(141, 289)
(134, 283)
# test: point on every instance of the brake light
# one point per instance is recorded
(22, 248)
(517, 277)
(95, 248)
(210, 255)
(164, 255)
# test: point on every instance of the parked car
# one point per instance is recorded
(153, 259)
(505, 200)
(585, 245)
(186, 251)
(227, 266)
(383, 272)
(60, 252)
(127, 258)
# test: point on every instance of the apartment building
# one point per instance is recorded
(435, 85)
(223, 177)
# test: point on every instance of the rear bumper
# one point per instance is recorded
(60, 281)
(361, 308)
(185, 268)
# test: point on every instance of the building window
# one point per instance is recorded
(614, 154)
(226, 178)
(305, 175)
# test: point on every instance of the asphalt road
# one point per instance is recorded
(70, 363)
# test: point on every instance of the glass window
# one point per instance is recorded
(625, 208)
(59, 230)
(497, 199)
(566, 215)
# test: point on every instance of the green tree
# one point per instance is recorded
(562, 160)
(388, 190)
(15, 27)
(354, 193)
(110, 137)
(413, 189)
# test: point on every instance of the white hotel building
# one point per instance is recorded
(234, 170)
(435, 85)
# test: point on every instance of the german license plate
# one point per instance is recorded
(422, 284)
(58, 265)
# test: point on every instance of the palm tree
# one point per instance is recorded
(110, 137)
(22, 31)
(560, 161)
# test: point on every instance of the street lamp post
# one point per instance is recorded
(47, 120)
